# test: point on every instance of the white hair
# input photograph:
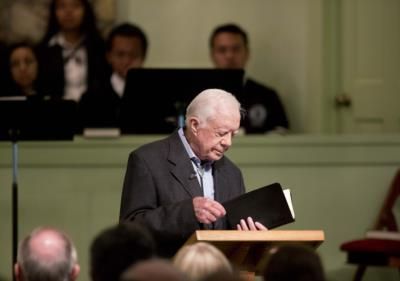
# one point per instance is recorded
(210, 104)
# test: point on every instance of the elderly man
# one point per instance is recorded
(175, 185)
(46, 254)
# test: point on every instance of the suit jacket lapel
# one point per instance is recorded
(219, 181)
(221, 189)
(181, 167)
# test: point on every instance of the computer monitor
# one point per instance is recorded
(36, 119)
(155, 99)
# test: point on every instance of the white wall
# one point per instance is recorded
(281, 42)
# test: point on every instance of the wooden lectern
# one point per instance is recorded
(248, 250)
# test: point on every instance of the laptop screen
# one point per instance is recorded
(155, 99)
(37, 119)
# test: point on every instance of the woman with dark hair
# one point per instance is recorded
(22, 65)
(72, 52)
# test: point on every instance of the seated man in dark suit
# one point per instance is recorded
(264, 111)
(175, 185)
(126, 48)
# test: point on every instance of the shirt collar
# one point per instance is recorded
(118, 84)
(59, 39)
(190, 152)
(186, 144)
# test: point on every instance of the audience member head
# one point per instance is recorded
(46, 254)
(200, 260)
(118, 247)
(126, 48)
(23, 68)
(229, 47)
(294, 263)
(154, 270)
(212, 120)
(71, 16)
(226, 276)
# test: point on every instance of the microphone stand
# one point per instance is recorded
(14, 137)
(40, 126)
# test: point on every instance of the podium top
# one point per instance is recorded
(249, 250)
(312, 237)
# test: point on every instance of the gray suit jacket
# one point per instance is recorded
(159, 187)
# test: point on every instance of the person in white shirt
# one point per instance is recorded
(72, 51)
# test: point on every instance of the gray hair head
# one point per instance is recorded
(211, 104)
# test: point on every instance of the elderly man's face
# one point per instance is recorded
(212, 140)
(229, 51)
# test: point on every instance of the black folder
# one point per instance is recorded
(266, 205)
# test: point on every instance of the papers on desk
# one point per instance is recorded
(12, 98)
(270, 205)
(101, 133)
(288, 197)
(381, 234)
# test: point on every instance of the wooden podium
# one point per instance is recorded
(248, 250)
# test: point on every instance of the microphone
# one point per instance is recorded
(193, 175)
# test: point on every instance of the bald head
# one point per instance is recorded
(48, 246)
(46, 254)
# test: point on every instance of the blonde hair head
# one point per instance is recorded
(200, 260)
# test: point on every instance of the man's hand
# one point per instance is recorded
(249, 224)
(207, 210)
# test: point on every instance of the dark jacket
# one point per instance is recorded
(158, 191)
(51, 67)
(264, 110)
